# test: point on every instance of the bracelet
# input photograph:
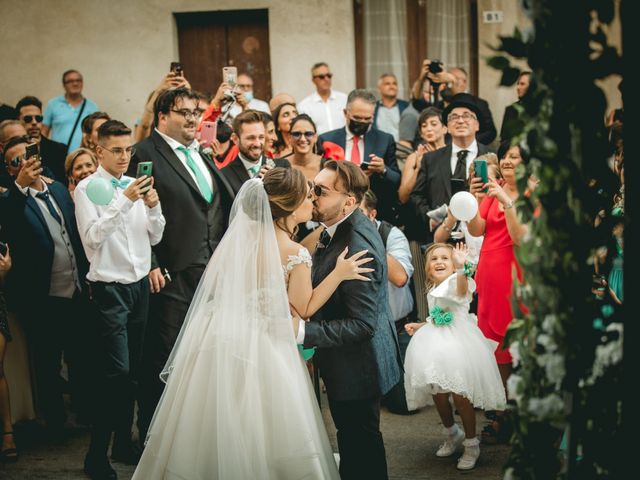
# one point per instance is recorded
(508, 205)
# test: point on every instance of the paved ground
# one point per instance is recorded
(410, 442)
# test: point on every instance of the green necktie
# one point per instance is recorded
(205, 190)
(255, 169)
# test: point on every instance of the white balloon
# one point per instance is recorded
(463, 206)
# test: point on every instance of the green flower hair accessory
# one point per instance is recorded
(440, 317)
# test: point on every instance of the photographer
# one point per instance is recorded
(423, 94)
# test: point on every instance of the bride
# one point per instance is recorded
(238, 401)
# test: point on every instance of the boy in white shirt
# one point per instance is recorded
(117, 239)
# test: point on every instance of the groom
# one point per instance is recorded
(358, 355)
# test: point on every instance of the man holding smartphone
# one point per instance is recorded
(46, 281)
(117, 238)
(442, 171)
(373, 150)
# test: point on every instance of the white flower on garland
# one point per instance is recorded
(545, 408)
(515, 387)
(607, 354)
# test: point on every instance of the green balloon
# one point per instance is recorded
(100, 191)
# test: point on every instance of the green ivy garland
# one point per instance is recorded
(567, 350)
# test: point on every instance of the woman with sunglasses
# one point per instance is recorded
(78, 165)
(282, 119)
(304, 136)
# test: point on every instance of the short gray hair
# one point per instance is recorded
(361, 94)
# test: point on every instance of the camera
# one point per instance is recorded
(435, 66)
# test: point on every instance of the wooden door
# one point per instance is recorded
(208, 41)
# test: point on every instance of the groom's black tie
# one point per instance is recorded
(325, 238)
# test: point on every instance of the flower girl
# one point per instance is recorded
(449, 355)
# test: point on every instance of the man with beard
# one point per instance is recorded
(52, 153)
(372, 150)
(249, 135)
(197, 201)
(357, 347)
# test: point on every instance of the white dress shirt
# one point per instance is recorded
(327, 115)
(194, 151)
(117, 237)
(473, 153)
(249, 164)
(348, 146)
(388, 119)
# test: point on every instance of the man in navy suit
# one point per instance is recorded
(374, 151)
(249, 135)
(357, 347)
(46, 281)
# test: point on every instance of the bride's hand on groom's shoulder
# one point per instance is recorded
(350, 268)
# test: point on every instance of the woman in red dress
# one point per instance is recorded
(497, 220)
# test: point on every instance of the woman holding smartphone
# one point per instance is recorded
(497, 220)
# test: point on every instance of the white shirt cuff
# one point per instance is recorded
(24, 190)
(300, 337)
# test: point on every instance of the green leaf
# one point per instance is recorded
(509, 76)
(498, 62)
(514, 47)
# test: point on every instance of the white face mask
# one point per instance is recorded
(248, 96)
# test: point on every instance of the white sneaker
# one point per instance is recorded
(470, 456)
(451, 444)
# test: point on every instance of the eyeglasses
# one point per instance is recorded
(298, 135)
(465, 117)
(187, 114)
(30, 118)
(322, 76)
(320, 191)
(118, 152)
(73, 80)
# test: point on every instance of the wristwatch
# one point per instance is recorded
(509, 205)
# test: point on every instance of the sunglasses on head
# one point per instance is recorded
(298, 135)
(322, 76)
(29, 118)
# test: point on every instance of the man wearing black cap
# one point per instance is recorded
(447, 169)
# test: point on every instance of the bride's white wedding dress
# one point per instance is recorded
(238, 401)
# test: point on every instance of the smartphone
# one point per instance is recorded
(208, 132)
(458, 185)
(144, 168)
(480, 168)
(364, 165)
(32, 151)
(230, 75)
(3, 249)
(176, 67)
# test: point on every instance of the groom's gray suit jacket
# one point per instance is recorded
(358, 354)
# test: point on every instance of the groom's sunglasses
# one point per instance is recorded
(319, 191)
